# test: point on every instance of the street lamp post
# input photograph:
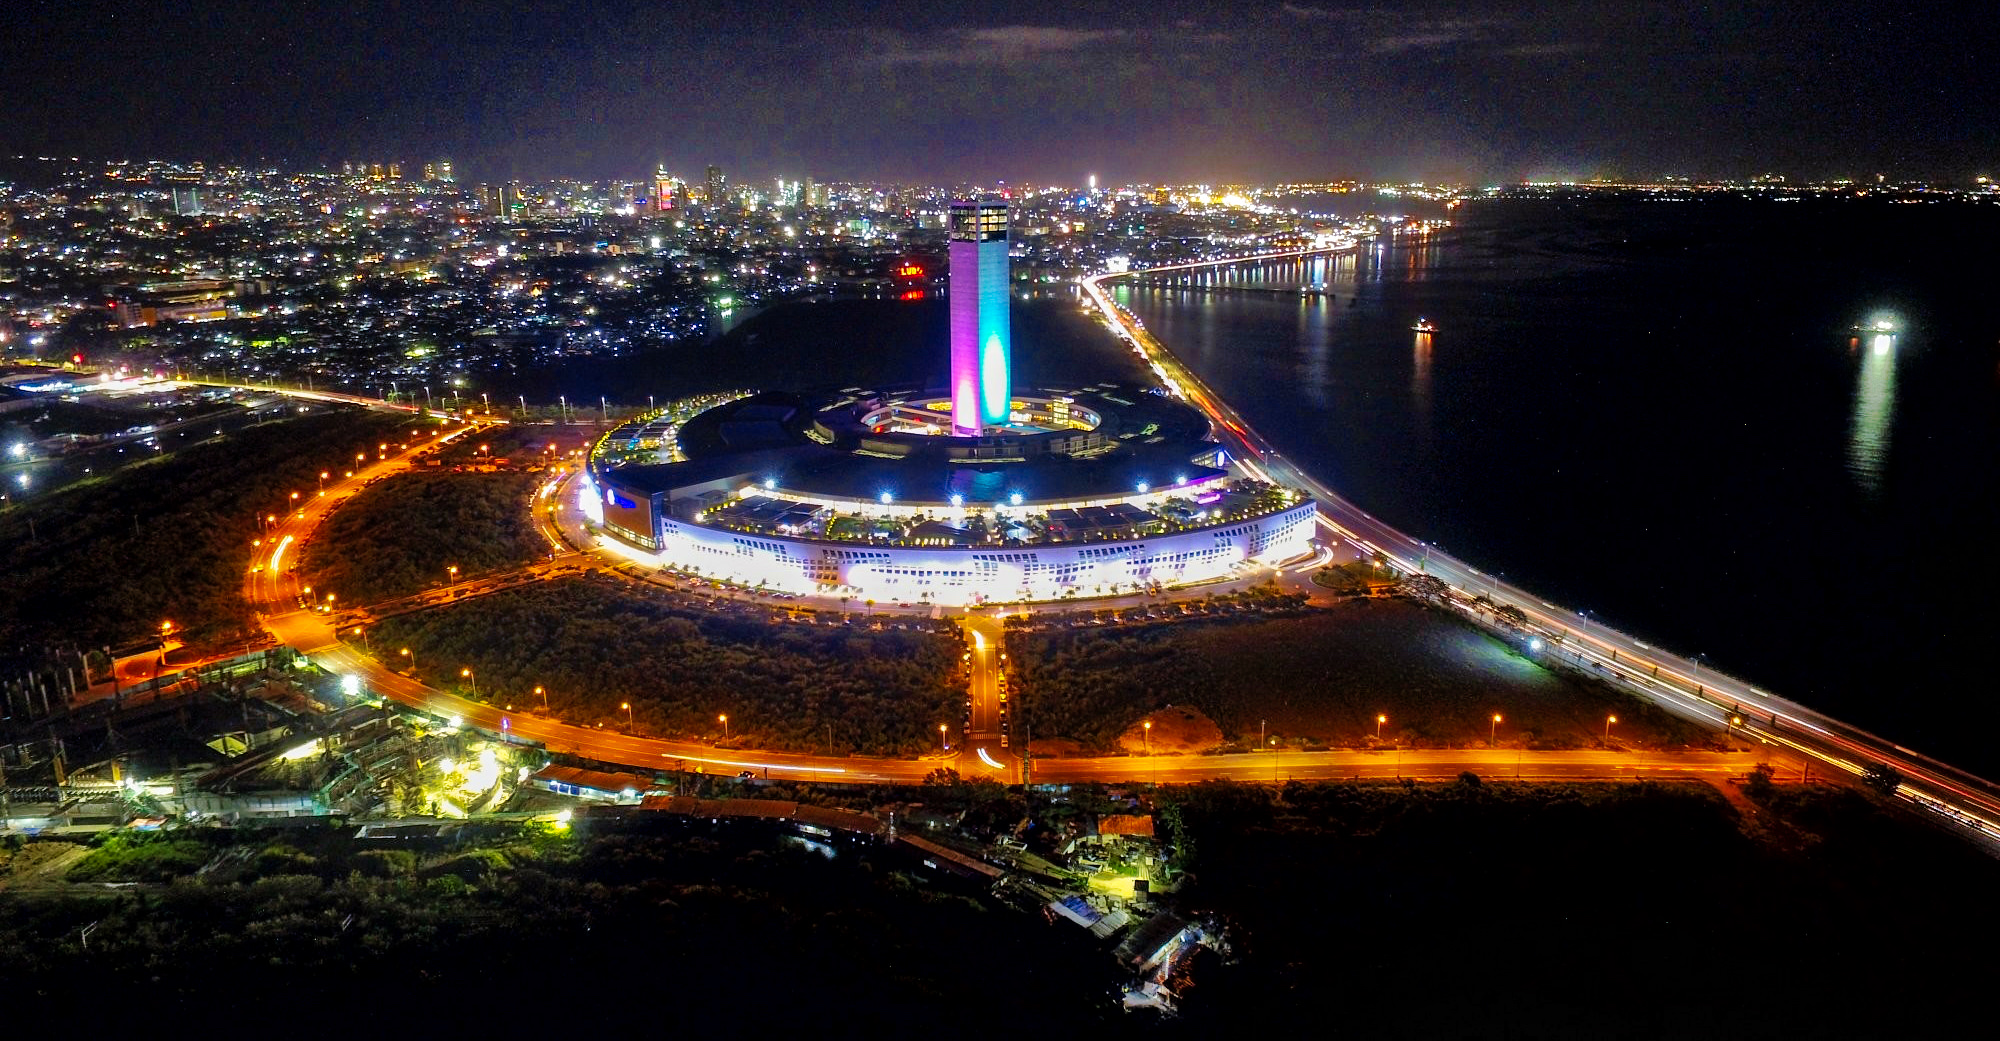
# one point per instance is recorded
(627, 706)
(724, 717)
(1493, 732)
(544, 695)
(1260, 733)
(471, 679)
(1380, 718)
(363, 633)
(1608, 720)
(322, 482)
(943, 745)
(1148, 735)
(405, 652)
(453, 572)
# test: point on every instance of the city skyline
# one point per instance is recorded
(1266, 93)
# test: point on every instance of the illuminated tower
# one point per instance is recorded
(663, 188)
(981, 341)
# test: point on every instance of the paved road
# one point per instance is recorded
(989, 751)
(1679, 684)
(1497, 764)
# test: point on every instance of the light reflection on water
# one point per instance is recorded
(1874, 410)
(1420, 387)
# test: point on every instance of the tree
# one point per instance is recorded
(1512, 614)
(1882, 777)
(1428, 587)
(1758, 784)
(943, 777)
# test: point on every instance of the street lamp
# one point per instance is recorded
(1493, 731)
(627, 706)
(544, 695)
(405, 652)
(453, 572)
(725, 725)
(322, 482)
(1380, 718)
(363, 633)
(1149, 737)
(470, 679)
(1608, 720)
(943, 745)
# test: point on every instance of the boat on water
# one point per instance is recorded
(1425, 325)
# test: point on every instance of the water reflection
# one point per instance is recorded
(1874, 409)
(1420, 387)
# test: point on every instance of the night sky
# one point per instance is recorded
(1133, 91)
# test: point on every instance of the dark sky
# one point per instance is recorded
(1133, 91)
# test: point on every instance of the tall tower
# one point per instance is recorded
(717, 186)
(981, 340)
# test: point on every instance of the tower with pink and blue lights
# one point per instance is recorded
(981, 339)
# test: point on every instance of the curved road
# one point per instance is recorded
(1678, 684)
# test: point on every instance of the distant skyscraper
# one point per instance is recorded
(187, 200)
(395, 171)
(439, 170)
(663, 188)
(815, 193)
(981, 338)
(717, 185)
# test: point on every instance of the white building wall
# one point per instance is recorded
(957, 574)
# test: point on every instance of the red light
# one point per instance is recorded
(912, 294)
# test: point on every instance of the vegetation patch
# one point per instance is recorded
(1588, 890)
(594, 644)
(1320, 677)
(141, 858)
(400, 535)
(169, 540)
(732, 926)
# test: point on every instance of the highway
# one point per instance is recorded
(1678, 684)
(1425, 764)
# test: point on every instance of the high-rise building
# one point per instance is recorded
(717, 185)
(187, 200)
(438, 170)
(981, 338)
(815, 193)
(663, 188)
(395, 171)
